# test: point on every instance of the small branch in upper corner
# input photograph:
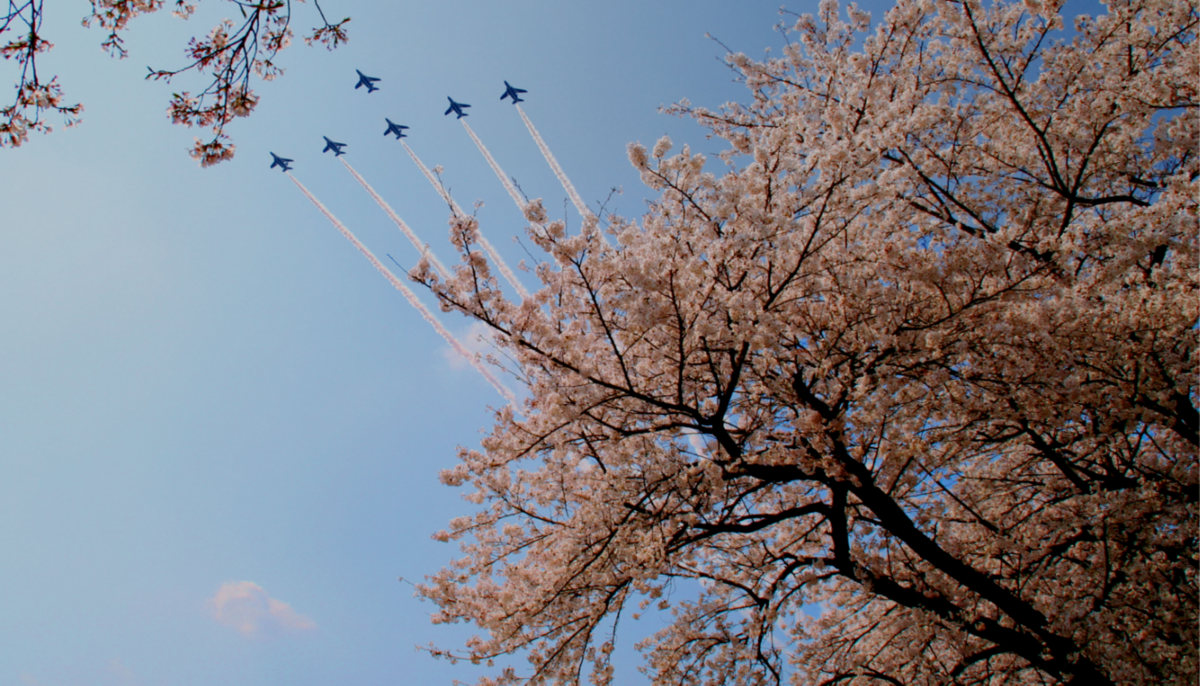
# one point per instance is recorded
(615, 190)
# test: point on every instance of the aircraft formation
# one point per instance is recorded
(393, 128)
(512, 93)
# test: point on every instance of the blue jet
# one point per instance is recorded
(278, 161)
(456, 107)
(368, 81)
(511, 92)
(397, 129)
(335, 147)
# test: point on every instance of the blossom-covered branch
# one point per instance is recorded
(231, 54)
(908, 394)
(35, 96)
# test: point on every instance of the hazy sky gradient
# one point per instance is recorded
(220, 428)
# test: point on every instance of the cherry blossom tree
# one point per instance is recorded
(231, 55)
(906, 395)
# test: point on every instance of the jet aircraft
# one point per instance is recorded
(511, 92)
(397, 129)
(456, 107)
(368, 81)
(278, 161)
(335, 147)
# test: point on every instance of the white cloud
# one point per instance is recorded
(246, 607)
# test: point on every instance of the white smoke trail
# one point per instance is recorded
(508, 186)
(421, 247)
(562, 177)
(409, 296)
(499, 262)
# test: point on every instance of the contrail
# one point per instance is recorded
(508, 186)
(422, 248)
(562, 177)
(500, 263)
(409, 296)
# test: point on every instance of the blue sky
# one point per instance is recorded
(211, 405)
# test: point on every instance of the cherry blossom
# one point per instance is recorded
(231, 54)
(907, 393)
